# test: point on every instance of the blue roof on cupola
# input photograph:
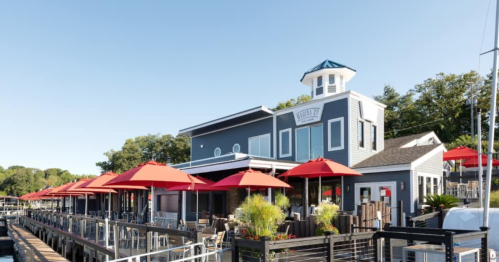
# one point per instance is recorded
(326, 64)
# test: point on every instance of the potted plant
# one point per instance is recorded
(326, 212)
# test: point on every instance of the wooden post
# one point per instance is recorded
(148, 244)
(330, 247)
(82, 228)
(96, 231)
(305, 198)
(30, 257)
(116, 241)
(264, 249)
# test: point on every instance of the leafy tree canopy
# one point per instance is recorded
(145, 148)
(292, 102)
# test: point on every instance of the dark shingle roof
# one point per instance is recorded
(393, 154)
(400, 141)
(396, 156)
(325, 64)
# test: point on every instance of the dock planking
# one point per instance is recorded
(25, 240)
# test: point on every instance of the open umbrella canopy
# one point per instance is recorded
(206, 187)
(320, 167)
(100, 181)
(26, 195)
(154, 174)
(460, 152)
(43, 194)
(473, 162)
(251, 179)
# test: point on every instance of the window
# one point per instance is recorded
(335, 134)
(285, 142)
(360, 132)
(427, 184)
(309, 143)
(202, 202)
(320, 89)
(218, 151)
(259, 145)
(331, 79)
(374, 136)
(236, 148)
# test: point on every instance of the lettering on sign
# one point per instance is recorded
(309, 114)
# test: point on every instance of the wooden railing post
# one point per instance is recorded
(82, 229)
(29, 256)
(377, 247)
(234, 250)
(400, 212)
(264, 248)
(116, 241)
(148, 244)
(330, 246)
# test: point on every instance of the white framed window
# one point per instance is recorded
(335, 135)
(217, 151)
(259, 145)
(331, 88)
(428, 184)
(374, 137)
(320, 88)
(360, 134)
(285, 143)
(309, 143)
(236, 148)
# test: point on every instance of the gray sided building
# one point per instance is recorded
(337, 124)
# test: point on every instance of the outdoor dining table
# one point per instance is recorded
(438, 250)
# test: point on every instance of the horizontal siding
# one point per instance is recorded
(225, 139)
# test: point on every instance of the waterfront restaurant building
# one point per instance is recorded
(338, 124)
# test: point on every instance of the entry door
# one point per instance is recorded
(380, 191)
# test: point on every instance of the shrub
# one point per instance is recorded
(494, 198)
(324, 219)
(281, 200)
(435, 200)
(262, 216)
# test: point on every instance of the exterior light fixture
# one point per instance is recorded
(402, 186)
(348, 188)
(201, 146)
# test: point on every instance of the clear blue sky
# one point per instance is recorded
(77, 78)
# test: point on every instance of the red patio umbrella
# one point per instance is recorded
(206, 187)
(320, 167)
(153, 174)
(473, 162)
(251, 179)
(459, 153)
(98, 183)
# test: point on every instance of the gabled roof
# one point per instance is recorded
(397, 153)
(325, 64)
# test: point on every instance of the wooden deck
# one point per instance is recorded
(25, 240)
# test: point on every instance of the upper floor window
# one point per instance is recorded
(285, 142)
(331, 79)
(331, 88)
(320, 89)
(374, 136)
(309, 143)
(361, 133)
(335, 134)
(259, 145)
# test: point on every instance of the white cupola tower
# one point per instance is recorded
(327, 78)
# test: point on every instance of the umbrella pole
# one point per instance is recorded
(109, 205)
(86, 204)
(70, 204)
(249, 192)
(197, 205)
(320, 190)
(152, 203)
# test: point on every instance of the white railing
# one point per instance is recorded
(203, 256)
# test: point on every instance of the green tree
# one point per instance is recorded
(292, 102)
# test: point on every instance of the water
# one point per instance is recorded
(7, 258)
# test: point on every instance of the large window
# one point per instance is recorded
(360, 131)
(259, 145)
(309, 143)
(427, 184)
(374, 136)
(285, 142)
(335, 134)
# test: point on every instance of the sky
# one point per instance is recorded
(77, 78)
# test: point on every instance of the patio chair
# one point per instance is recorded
(472, 189)
(228, 235)
(452, 188)
(217, 244)
(178, 241)
(190, 225)
(203, 222)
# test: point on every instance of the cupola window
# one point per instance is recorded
(331, 88)
(320, 88)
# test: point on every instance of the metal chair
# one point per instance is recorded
(217, 244)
